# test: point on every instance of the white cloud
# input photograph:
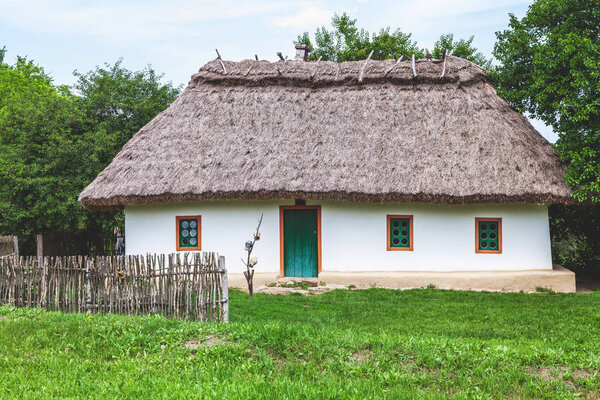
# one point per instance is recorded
(301, 17)
(131, 22)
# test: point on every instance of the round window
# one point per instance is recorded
(404, 232)
(484, 244)
(185, 232)
(484, 235)
(404, 224)
(395, 224)
(492, 244)
(493, 227)
(404, 241)
(193, 232)
(193, 241)
(193, 224)
(184, 225)
(395, 232)
(483, 227)
(492, 235)
(395, 241)
(184, 241)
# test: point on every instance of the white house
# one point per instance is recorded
(397, 174)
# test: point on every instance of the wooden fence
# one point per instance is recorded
(9, 246)
(188, 286)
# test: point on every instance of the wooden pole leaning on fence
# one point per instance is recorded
(225, 286)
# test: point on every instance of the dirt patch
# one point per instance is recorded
(208, 342)
(3, 318)
(361, 356)
(309, 291)
(550, 374)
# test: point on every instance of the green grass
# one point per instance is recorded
(344, 344)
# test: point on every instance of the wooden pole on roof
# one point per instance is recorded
(221, 61)
(414, 67)
(444, 67)
(256, 57)
(362, 70)
(393, 66)
(316, 67)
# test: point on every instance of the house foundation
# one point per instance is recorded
(558, 279)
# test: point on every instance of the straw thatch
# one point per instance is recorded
(313, 130)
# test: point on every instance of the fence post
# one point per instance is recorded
(16, 245)
(225, 304)
(39, 239)
(88, 286)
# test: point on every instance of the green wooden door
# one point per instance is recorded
(300, 243)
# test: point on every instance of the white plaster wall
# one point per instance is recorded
(226, 226)
(354, 237)
(353, 234)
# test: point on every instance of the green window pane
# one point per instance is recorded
(400, 232)
(188, 232)
(488, 235)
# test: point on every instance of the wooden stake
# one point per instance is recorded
(394, 66)
(414, 67)
(444, 67)
(221, 61)
(362, 70)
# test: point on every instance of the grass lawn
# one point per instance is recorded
(344, 344)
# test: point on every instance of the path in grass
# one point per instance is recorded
(363, 344)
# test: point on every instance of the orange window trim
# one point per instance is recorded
(281, 250)
(410, 228)
(499, 222)
(195, 248)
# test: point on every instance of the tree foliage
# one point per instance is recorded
(53, 142)
(462, 48)
(551, 69)
(118, 102)
(38, 151)
(346, 42)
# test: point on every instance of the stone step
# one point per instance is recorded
(313, 282)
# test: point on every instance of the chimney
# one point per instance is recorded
(302, 51)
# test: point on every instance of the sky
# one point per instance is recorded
(177, 37)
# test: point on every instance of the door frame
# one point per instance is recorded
(281, 238)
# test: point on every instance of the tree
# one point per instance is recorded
(461, 48)
(54, 142)
(551, 69)
(118, 102)
(348, 43)
(40, 153)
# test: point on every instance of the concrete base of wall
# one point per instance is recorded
(558, 279)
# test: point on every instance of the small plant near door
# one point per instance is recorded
(251, 262)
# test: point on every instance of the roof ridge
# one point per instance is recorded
(326, 73)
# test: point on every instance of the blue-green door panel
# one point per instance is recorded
(300, 243)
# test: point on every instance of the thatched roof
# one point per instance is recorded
(263, 130)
